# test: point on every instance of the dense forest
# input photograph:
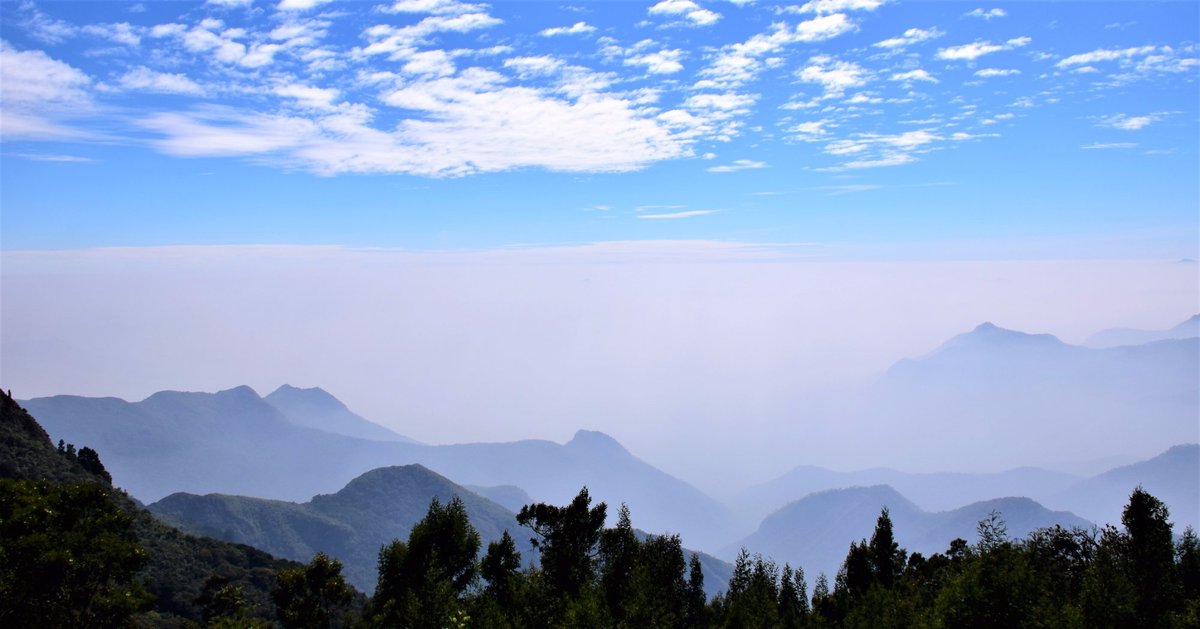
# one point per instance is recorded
(76, 552)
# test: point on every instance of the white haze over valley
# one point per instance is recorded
(725, 364)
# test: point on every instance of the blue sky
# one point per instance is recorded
(857, 127)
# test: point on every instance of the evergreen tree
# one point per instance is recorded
(696, 598)
(500, 568)
(1151, 555)
(793, 600)
(619, 549)
(314, 596)
(658, 592)
(885, 555)
(421, 582)
(567, 538)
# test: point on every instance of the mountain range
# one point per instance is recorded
(816, 531)
(1016, 395)
(235, 442)
(1116, 337)
(1173, 476)
(994, 398)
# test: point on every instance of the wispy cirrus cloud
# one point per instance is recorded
(40, 94)
(975, 50)
(677, 215)
(1108, 145)
(144, 79)
(738, 165)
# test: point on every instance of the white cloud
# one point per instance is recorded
(874, 150)
(429, 63)
(812, 130)
(39, 94)
(684, 214)
(822, 7)
(469, 123)
(910, 37)
(686, 9)
(578, 28)
(144, 79)
(1109, 145)
(299, 5)
(737, 165)
(914, 75)
(1104, 54)
(309, 97)
(544, 64)
(228, 3)
(823, 28)
(975, 50)
(665, 61)
(52, 157)
(435, 7)
(400, 41)
(1130, 123)
(740, 63)
(987, 15)
(122, 33)
(43, 27)
(893, 159)
(992, 72)
(834, 75)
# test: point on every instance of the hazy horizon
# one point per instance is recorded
(703, 227)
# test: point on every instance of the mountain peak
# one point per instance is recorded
(311, 395)
(595, 441)
(988, 333)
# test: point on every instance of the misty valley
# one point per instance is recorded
(235, 509)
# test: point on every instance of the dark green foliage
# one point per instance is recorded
(421, 582)
(695, 613)
(567, 538)
(657, 590)
(314, 596)
(1151, 555)
(68, 557)
(793, 598)
(885, 555)
(176, 566)
(500, 568)
(619, 550)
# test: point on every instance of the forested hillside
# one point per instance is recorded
(68, 537)
(74, 551)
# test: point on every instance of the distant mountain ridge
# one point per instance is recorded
(316, 408)
(1025, 398)
(1173, 477)
(234, 442)
(937, 491)
(816, 531)
(1116, 337)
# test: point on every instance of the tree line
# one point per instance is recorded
(592, 576)
(68, 558)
